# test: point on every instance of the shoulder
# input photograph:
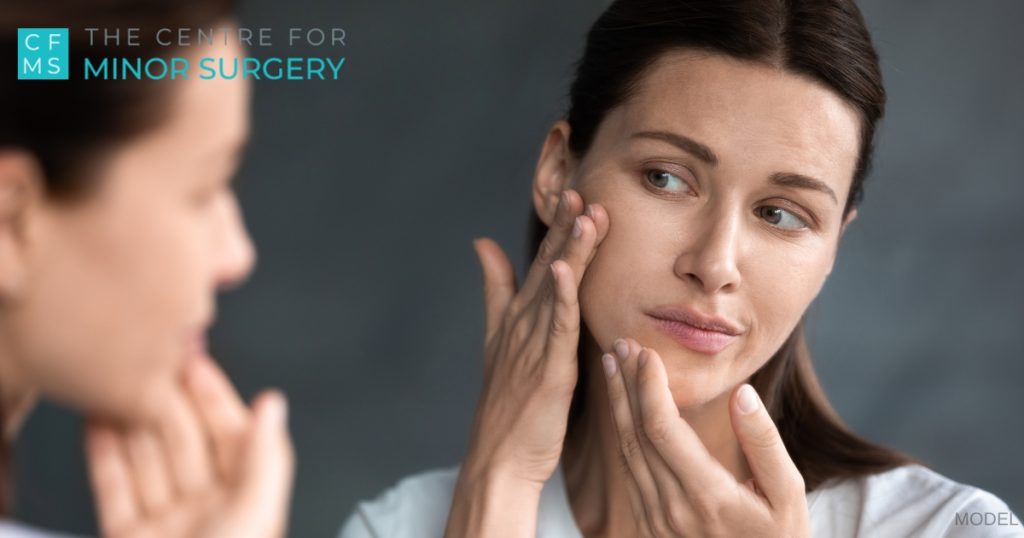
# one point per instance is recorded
(416, 506)
(911, 500)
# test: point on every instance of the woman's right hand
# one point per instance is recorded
(530, 371)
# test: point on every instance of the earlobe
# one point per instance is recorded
(18, 182)
(553, 173)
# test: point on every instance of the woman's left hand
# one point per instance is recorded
(676, 487)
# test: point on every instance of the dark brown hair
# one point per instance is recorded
(825, 41)
(68, 126)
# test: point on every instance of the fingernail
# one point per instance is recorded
(622, 349)
(277, 407)
(563, 201)
(609, 364)
(642, 359)
(590, 210)
(554, 271)
(577, 228)
(748, 402)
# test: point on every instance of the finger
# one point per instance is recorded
(751, 485)
(678, 511)
(546, 301)
(269, 467)
(110, 477)
(570, 205)
(702, 476)
(499, 282)
(223, 414)
(636, 501)
(629, 444)
(575, 253)
(185, 444)
(774, 470)
(580, 246)
(599, 215)
(149, 469)
(564, 331)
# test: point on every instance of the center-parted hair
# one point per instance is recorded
(825, 41)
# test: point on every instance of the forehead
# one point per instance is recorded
(745, 110)
(213, 111)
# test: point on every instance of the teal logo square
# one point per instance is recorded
(42, 54)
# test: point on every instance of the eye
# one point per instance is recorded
(781, 218)
(664, 180)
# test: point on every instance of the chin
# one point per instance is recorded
(689, 391)
(154, 400)
(134, 402)
(693, 379)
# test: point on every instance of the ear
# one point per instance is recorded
(20, 188)
(553, 173)
(842, 230)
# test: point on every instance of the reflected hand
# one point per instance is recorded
(209, 467)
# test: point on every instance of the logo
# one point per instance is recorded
(42, 53)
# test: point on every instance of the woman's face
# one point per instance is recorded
(121, 284)
(685, 170)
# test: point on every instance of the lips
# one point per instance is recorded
(696, 331)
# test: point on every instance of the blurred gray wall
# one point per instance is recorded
(363, 196)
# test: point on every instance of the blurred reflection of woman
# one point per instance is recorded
(117, 227)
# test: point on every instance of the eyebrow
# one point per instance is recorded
(704, 153)
(800, 181)
(684, 143)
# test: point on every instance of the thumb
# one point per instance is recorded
(775, 474)
(264, 492)
(499, 281)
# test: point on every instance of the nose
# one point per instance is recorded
(710, 254)
(235, 253)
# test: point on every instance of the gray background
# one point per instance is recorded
(363, 196)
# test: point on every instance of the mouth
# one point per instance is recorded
(704, 334)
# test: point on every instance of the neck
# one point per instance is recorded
(594, 477)
(17, 396)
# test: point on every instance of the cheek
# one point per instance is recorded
(106, 326)
(779, 290)
(629, 261)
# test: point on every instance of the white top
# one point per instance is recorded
(12, 529)
(908, 501)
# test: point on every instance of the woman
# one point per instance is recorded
(650, 376)
(117, 227)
